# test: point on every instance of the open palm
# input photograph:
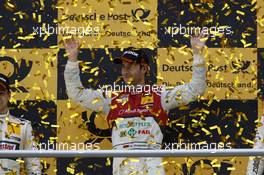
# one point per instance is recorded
(198, 42)
(72, 48)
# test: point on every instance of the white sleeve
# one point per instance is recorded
(32, 164)
(183, 94)
(256, 165)
(89, 98)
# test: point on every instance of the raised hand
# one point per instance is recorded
(72, 48)
(198, 42)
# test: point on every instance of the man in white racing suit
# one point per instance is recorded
(135, 117)
(256, 165)
(15, 134)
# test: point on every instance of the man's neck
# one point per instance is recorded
(140, 83)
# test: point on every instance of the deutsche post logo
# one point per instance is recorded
(20, 72)
(239, 66)
(140, 14)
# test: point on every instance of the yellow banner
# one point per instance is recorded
(73, 131)
(231, 73)
(100, 24)
(32, 73)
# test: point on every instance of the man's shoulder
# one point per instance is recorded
(18, 120)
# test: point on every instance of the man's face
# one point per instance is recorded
(4, 98)
(133, 73)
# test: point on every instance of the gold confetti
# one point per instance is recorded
(240, 12)
(55, 126)
(39, 18)
(17, 45)
(45, 123)
(96, 100)
(240, 131)
(10, 5)
(20, 161)
(42, 6)
(231, 168)
(206, 131)
(70, 170)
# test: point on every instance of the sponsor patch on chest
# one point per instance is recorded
(7, 146)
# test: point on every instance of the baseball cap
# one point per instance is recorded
(4, 82)
(132, 55)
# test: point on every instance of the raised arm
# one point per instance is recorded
(89, 98)
(256, 165)
(183, 94)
